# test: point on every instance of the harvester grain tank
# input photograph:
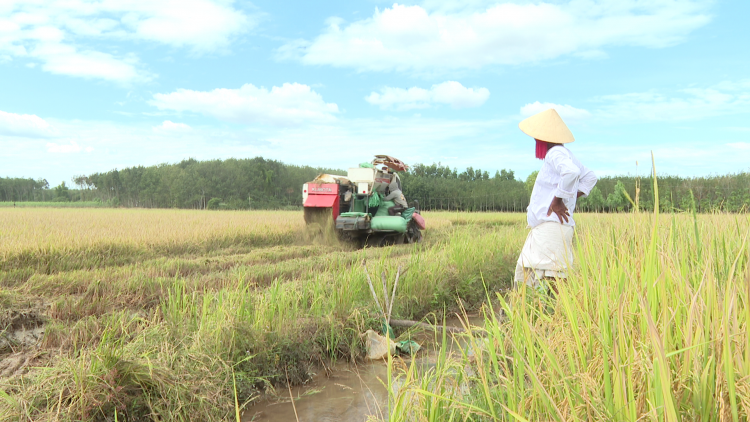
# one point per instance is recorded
(354, 204)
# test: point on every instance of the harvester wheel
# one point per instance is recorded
(374, 241)
(413, 234)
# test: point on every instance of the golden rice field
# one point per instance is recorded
(191, 315)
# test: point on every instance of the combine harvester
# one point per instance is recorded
(354, 205)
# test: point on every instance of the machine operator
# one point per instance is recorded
(395, 194)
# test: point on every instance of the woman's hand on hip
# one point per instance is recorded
(558, 207)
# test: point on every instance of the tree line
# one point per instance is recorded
(726, 193)
(257, 183)
(438, 187)
(17, 189)
(254, 183)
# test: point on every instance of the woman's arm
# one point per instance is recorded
(586, 182)
(568, 171)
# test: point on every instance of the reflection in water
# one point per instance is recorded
(350, 393)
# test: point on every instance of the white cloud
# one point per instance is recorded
(725, 98)
(740, 145)
(66, 60)
(72, 147)
(415, 38)
(168, 125)
(289, 104)
(53, 32)
(565, 111)
(201, 24)
(403, 99)
(26, 125)
(742, 85)
(449, 92)
(687, 104)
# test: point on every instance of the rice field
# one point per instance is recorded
(171, 315)
(113, 314)
(651, 326)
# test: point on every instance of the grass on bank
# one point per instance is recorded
(160, 314)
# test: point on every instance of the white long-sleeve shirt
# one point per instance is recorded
(562, 176)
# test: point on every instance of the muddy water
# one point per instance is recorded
(349, 393)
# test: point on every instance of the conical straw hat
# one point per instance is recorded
(547, 126)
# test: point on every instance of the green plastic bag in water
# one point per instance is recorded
(409, 347)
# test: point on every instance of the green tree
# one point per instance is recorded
(595, 200)
(62, 192)
(530, 181)
(506, 175)
(616, 200)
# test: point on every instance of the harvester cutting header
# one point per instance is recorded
(367, 205)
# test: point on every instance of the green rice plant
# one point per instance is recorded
(644, 328)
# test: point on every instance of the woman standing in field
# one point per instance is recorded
(548, 251)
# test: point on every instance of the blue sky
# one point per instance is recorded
(88, 86)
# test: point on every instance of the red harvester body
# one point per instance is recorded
(325, 195)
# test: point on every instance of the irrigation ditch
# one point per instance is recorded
(359, 391)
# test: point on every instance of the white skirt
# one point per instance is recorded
(548, 252)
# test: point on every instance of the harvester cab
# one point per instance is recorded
(356, 207)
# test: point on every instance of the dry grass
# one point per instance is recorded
(156, 314)
(31, 229)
